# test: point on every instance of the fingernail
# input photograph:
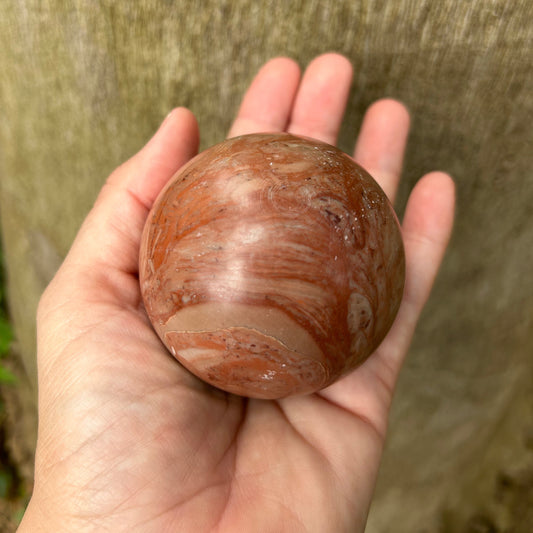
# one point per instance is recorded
(167, 117)
(163, 125)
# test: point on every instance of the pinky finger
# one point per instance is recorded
(426, 228)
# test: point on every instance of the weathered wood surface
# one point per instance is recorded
(83, 85)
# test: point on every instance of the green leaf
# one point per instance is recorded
(6, 336)
(18, 515)
(6, 482)
(6, 376)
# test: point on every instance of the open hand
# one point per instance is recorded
(131, 441)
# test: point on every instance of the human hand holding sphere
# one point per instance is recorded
(131, 440)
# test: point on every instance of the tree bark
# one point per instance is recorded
(84, 85)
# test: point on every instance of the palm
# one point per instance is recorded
(144, 443)
(170, 453)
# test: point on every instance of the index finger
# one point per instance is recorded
(266, 106)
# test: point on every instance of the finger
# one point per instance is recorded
(174, 143)
(322, 97)
(426, 229)
(367, 392)
(267, 104)
(381, 143)
(110, 236)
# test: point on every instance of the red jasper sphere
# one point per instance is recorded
(271, 265)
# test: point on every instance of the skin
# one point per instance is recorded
(130, 441)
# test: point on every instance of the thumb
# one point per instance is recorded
(111, 233)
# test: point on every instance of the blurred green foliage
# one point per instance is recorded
(6, 333)
(11, 488)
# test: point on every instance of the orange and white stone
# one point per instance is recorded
(271, 265)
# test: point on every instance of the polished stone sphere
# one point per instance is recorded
(271, 265)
